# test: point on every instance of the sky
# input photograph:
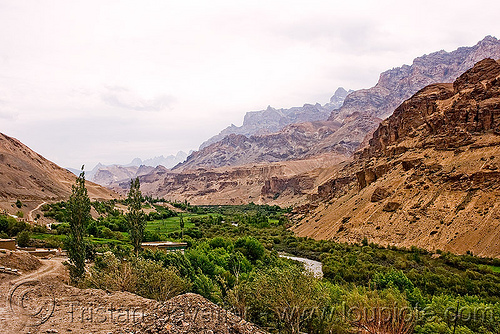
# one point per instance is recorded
(83, 82)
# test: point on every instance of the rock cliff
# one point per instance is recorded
(429, 177)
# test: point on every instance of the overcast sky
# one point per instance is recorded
(83, 82)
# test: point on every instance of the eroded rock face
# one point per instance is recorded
(438, 156)
(349, 126)
(271, 120)
(293, 142)
(445, 116)
(400, 83)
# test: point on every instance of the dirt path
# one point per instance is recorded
(30, 214)
(12, 319)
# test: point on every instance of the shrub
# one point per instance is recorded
(146, 278)
(23, 239)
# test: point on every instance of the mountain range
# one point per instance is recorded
(272, 120)
(429, 178)
(107, 174)
(348, 127)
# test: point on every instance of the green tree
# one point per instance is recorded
(79, 216)
(23, 238)
(181, 224)
(135, 216)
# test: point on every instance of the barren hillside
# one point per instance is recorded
(429, 178)
(283, 183)
(26, 175)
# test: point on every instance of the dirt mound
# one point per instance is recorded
(19, 260)
(191, 313)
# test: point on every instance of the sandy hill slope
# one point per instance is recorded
(430, 176)
(26, 175)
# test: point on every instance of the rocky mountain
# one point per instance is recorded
(398, 84)
(294, 142)
(26, 175)
(348, 127)
(430, 176)
(107, 174)
(282, 183)
(272, 120)
(168, 161)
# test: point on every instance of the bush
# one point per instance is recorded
(144, 277)
(250, 247)
(23, 239)
(4, 223)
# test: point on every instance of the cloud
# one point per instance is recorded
(122, 97)
(6, 111)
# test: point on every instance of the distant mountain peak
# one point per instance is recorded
(272, 120)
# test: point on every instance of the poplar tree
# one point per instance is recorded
(135, 215)
(79, 217)
(181, 225)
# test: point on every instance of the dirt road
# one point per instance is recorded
(12, 317)
(30, 214)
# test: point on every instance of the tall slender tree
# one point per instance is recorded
(135, 216)
(181, 224)
(79, 217)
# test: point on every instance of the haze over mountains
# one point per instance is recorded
(426, 176)
(348, 126)
(107, 174)
(272, 120)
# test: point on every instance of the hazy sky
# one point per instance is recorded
(107, 81)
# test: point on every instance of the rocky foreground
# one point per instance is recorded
(39, 301)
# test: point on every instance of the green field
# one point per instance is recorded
(168, 225)
(495, 269)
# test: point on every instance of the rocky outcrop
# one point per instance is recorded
(380, 194)
(296, 141)
(400, 83)
(191, 313)
(107, 175)
(348, 127)
(278, 183)
(429, 177)
(445, 116)
(276, 186)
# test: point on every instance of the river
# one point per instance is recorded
(310, 265)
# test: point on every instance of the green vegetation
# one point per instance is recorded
(495, 269)
(161, 229)
(79, 217)
(23, 238)
(233, 259)
(135, 215)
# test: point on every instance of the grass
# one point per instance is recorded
(168, 225)
(495, 269)
(98, 241)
